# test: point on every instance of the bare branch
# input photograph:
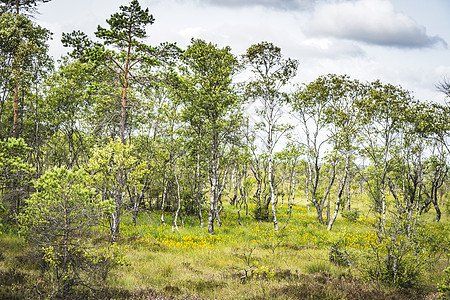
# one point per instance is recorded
(444, 86)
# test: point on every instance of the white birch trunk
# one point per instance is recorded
(338, 200)
(163, 204)
(175, 225)
(199, 191)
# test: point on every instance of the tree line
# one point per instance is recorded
(177, 130)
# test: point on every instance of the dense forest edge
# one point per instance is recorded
(134, 171)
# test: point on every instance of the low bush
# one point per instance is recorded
(444, 286)
(398, 255)
(399, 272)
(338, 255)
(350, 215)
(261, 213)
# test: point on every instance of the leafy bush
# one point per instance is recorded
(338, 255)
(15, 174)
(62, 212)
(399, 254)
(400, 272)
(444, 286)
(350, 216)
(261, 213)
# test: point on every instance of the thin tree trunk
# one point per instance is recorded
(220, 189)
(121, 179)
(65, 265)
(325, 197)
(71, 146)
(241, 199)
(214, 185)
(383, 209)
(175, 225)
(438, 212)
(293, 195)
(348, 193)
(212, 206)
(199, 191)
(272, 192)
(119, 201)
(123, 112)
(436, 205)
(135, 211)
(313, 185)
(307, 188)
(163, 204)
(328, 208)
(137, 200)
(235, 188)
(338, 200)
(361, 186)
(16, 111)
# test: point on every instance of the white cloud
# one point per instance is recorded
(443, 71)
(329, 48)
(191, 32)
(370, 21)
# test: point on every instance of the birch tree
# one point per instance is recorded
(271, 72)
(310, 104)
(207, 93)
(383, 114)
(106, 168)
(343, 127)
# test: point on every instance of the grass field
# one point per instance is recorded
(250, 261)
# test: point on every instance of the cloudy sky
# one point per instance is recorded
(403, 42)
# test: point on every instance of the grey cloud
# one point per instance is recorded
(276, 4)
(406, 39)
(414, 37)
(370, 21)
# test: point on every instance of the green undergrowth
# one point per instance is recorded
(247, 261)
(302, 229)
(252, 261)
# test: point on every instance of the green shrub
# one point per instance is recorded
(393, 270)
(350, 216)
(444, 286)
(338, 255)
(399, 255)
(62, 211)
(261, 214)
